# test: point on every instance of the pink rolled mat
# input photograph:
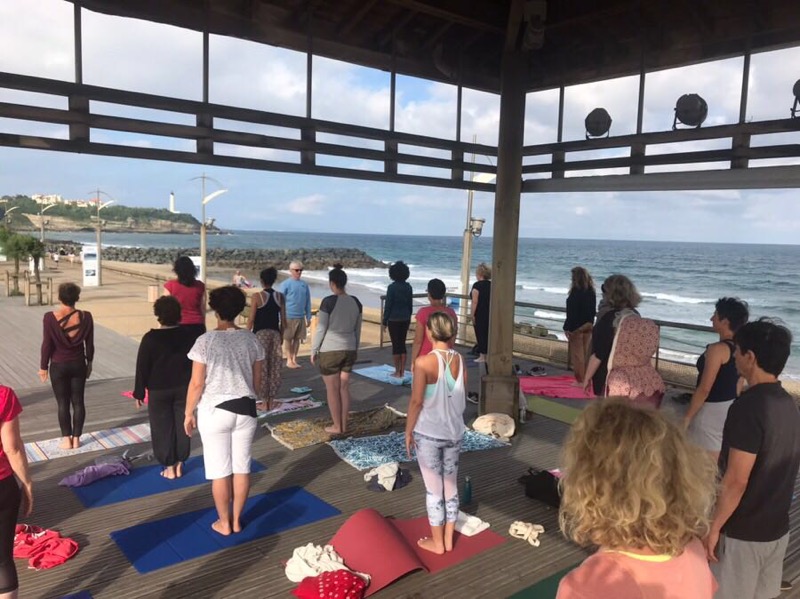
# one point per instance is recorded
(129, 395)
(553, 386)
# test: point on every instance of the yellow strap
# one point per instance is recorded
(644, 558)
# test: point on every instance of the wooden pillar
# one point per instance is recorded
(500, 388)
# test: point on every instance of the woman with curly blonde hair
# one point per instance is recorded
(634, 487)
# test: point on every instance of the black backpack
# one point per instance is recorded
(543, 486)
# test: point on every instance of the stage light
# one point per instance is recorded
(691, 110)
(598, 123)
(796, 91)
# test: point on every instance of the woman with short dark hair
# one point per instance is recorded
(68, 351)
(397, 314)
(163, 370)
(191, 294)
(226, 371)
(267, 319)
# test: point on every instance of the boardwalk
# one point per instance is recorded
(255, 569)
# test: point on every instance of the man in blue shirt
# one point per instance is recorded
(298, 312)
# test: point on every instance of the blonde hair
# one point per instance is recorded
(620, 292)
(581, 279)
(484, 270)
(441, 326)
(632, 480)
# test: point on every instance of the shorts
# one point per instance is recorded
(334, 362)
(295, 329)
(227, 439)
(749, 569)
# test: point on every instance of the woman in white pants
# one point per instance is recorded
(226, 371)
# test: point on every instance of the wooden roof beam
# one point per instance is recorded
(437, 35)
(355, 18)
(440, 13)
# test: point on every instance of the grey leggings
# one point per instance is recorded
(438, 464)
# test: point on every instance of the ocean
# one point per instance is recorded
(679, 281)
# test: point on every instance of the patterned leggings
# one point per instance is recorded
(271, 372)
(438, 463)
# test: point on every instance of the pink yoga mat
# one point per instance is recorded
(553, 386)
(386, 549)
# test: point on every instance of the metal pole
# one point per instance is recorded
(745, 88)
(466, 255)
(99, 243)
(41, 226)
(203, 230)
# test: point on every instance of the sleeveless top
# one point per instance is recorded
(724, 387)
(268, 314)
(442, 415)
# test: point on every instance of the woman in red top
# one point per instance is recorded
(634, 487)
(68, 351)
(12, 461)
(191, 294)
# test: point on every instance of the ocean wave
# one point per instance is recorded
(549, 315)
(563, 291)
(677, 356)
(677, 299)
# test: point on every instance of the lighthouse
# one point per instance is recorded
(172, 202)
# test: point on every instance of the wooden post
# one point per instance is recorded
(500, 388)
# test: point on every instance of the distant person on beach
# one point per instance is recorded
(163, 370)
(481, 296)
(226, 371)
(191, 294)
(622, 299)
(581, 309)
(717, 378)
(68, 351)
(16, 497)
(397, 314)
(335, 346)
(267, 319)
(435, 428)
(759, 462)
(298, 312)
(240, 280)
(635, 488)
(436, 297)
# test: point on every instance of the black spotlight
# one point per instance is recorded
(598, 123)
(691, 110)
(796, 92)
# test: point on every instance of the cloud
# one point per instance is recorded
(313, 204)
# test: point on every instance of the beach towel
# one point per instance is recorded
(630, 370)
(383, 374)
(291, 404)
(90, 474)
(553, 386)
(43, 548)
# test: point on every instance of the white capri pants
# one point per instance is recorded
(227, 439)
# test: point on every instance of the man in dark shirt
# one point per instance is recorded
(759, 462)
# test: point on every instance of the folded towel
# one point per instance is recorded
(300, 389)
(469, 526)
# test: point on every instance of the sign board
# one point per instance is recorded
(198, 271)
(89, 264)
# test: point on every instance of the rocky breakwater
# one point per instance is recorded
(313, 259)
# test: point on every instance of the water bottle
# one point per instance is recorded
(467, 494)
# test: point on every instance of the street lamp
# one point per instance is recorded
(205, 199)
(7, 212)
(99, 229)
(41, 220)
(473, 228)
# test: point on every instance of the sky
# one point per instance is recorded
(36, 39)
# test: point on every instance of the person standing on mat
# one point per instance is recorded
(15, 497)
(191, 294)
(436, 297)
(397, 314)
(68, 351)
(581, 308)
(226, 371)
(481, 296)
(298, 312)
(267, 319)
(335, 346)
(435, 428)
(633, 486)
(163, 370)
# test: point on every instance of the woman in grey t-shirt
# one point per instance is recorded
(335, 346)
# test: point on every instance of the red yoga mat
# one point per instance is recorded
(387, 549)
(553, 386)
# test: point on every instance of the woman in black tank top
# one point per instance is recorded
(717, 378)
(266, 319)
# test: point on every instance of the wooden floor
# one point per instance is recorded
(255, 569)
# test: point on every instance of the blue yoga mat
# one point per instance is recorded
(81, 595)
(382, 373)
(154, 545)
(144, 481)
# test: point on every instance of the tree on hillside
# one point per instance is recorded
(21, 247)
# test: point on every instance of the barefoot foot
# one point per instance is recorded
(222, 528)
(76, 442)
(332, 430)
(237, 527)
(66, 443)
(428, 544)
(168, 472)
(178, 469)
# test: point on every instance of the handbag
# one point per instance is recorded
(542, 485)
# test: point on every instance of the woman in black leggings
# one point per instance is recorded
(68, 350)
(12, 461)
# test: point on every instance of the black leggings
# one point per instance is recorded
(10, 498)
(398, 331)
(481, 325)
(166, 409)
(69, 381)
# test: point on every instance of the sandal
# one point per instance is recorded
(537, 371)
(527, 532)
